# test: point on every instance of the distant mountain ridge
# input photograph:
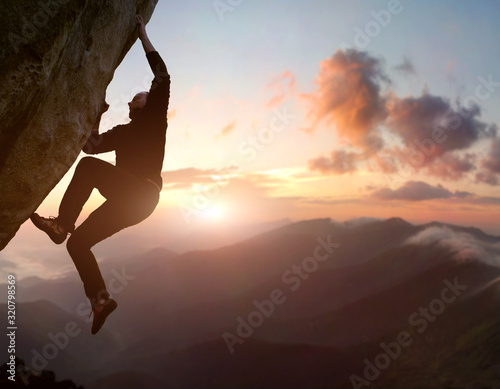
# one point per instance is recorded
(175, 307)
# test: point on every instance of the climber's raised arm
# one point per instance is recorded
(143, 36)
(159, 93)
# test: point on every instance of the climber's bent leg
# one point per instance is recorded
(91, 173)
(135, 205)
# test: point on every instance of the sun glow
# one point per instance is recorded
(213, 213)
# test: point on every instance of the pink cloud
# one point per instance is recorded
(348, 96)
(340, 162)
(282, 87)
(184, 178)
(436, 136)
(452, 167)
(228, 128)
(487, 177)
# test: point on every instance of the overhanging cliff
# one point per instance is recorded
(57, 59)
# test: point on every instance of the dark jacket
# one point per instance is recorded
(140, 144)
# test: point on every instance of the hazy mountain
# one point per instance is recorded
(456, 350)
(310, 313)
(49, 338)
(221, 235)
(67, 291)
(174, 308)
(379, 313)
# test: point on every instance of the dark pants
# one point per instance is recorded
(129, 200)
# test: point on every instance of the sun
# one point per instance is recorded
(214, 213)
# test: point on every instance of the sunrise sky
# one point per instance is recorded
(305, 109)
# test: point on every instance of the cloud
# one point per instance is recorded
(452, 167)
(331, 201)
(430, 134)
(386, 161)
(282, 87)
(487, 200)
(433, 134)
(228, 128)
(490, 165)
(241, 185)
(348, 96)
(449, 166)
(417, 191)
(464, 245)
(406, 68)
(429, 124)
(340, 162)
(487, 177)
(492, 131)
(243, 196)
(184, 178)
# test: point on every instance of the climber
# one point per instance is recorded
(131, 187)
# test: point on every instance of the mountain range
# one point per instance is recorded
(317, 298)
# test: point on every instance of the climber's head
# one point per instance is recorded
(137, 103)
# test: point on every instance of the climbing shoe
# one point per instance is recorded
(101, 311)
(51, 227)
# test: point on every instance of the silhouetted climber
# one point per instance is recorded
(131, 188)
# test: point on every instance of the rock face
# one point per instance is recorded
(57, 59)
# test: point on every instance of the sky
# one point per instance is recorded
(309, 109)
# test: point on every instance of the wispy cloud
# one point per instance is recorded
(227, 129)
(417, 191)
(451, 166)
(184, 178)
(490, 165)
(340, 162)
(282, 87)
(465, 246)
(406, 68)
